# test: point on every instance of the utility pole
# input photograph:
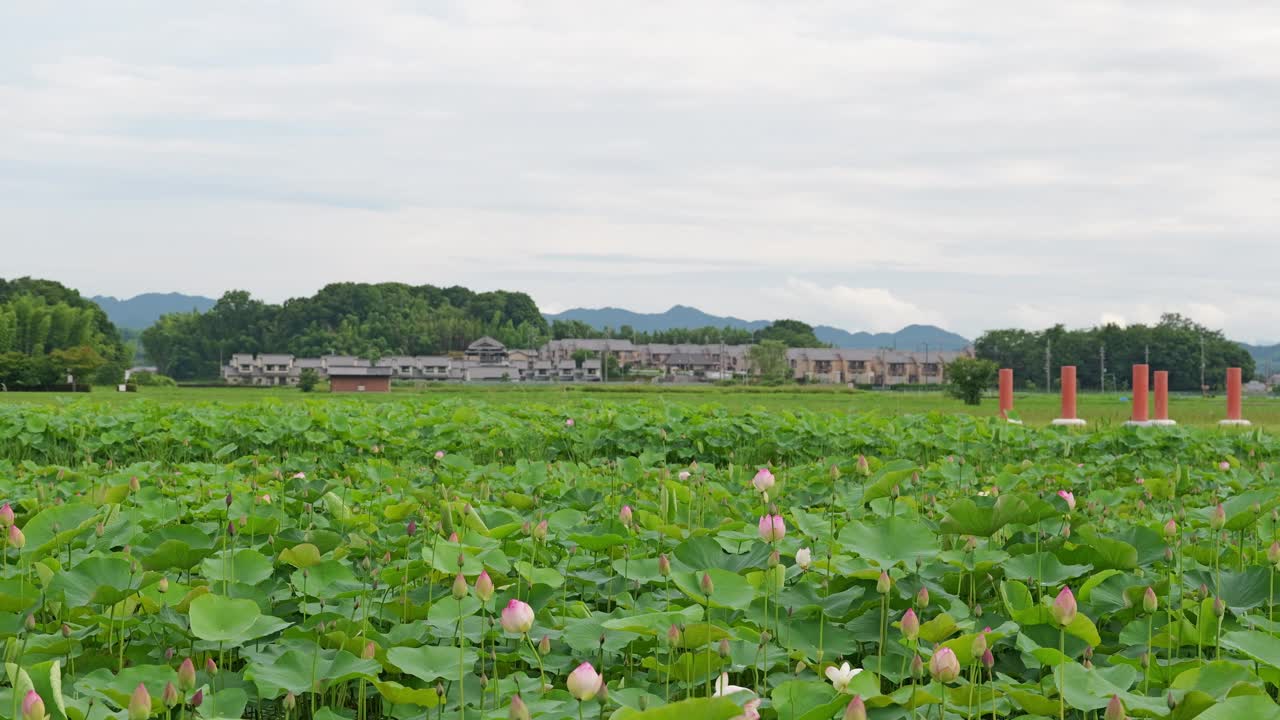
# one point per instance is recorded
(1146, 354)
(1202, 389)
(1048, 374)
(1102, 367)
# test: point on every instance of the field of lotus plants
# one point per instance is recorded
(628, 560)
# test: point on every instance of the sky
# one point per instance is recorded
(859, 164)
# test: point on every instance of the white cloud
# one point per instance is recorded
(865, 308)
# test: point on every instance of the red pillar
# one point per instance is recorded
(1006, 391)
(1140, 379)
(1162, 395)
(1068, 392)
(1234, 391)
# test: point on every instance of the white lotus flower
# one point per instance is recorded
(840, 677)
(804, 558)
(724, 688)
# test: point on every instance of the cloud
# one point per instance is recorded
(865, 308)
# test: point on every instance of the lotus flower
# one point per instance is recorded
(910, 625)
(484, 586)
(1224, 465)
(517, 617)
(763, 481)
(683, 475)
(750, 710)
(584, 682)
(944, 666)
(568, 422)
(1063, 608)
(32, 705)
(140, 703)
(724, 688)
(1069, 498)
(299, 475)
(856, 709)
(804, 558)
(625, 515)
(772, 529)
(840, 677)
(439, 454)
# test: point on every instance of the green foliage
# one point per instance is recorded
(147, 378)
(791, 333)
(308, 379)
(769, 360)
(969, 377)
(1173, 344)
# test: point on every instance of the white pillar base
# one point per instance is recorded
(1013, 422)
(1164, 423)
(1137, 423)
(1070, 422)
(1235, 423)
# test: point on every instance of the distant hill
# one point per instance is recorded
(141, 312)
(683, 316)
(1266, 356)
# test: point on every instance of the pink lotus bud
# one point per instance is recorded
(170, 695)
(772, 529)
(568, 422)
(1224, 466)
(1219, 607)
(6, 519)
(187, 675)
(884, 582)
(1149, 600)
(664, 565)
(910, 625)
(674, 636)
(917, 667)
(624, 515)
(16, 539)
(266, 498)
(1171, 529)
(517, 617)
(518, 710)
(1115, 709)
(544, 646)
(706, 585)
(32, 705)
(453, 537)
(290, 702)
(1063, 608)
(584, 682)
(979, 644)
(944, 666)
(439, 454)
(484, 586)
(1069, 498)
(540, 531)
(370, 650)
(863, 467)
(723, 649)
(922, 597)
(856, 709)
(231, 528)
(412, 528)
(299, 475)
(198, 699)
(140, 703)
(763, 481)
(459, 589)
(988, 660)
(1218, 518)
(210, 667)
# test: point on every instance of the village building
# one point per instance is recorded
(359, 378)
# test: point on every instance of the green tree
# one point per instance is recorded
(791, 333)
(308, 380)
(769, 359)
(969, 377)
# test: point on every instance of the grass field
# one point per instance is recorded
(1035, 408)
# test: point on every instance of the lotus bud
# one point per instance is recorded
(1171, 701)
(584, 682)
(484, 586)
(140, 703)
(723, 647)
(922, 597)
(883, 583)
(526, 529)
(977, 610)
(1069, 498)
(763, 481)
(453, 537)
(706, 585)
(674, 636)
(163, 585)
(518, 710)
(856, 709)
(170, 695)
(187, 675)
(979, 644)
(1219, 608)
(910, 625)
(100, 529)
(1218, 518)
(804, 558)
(32, 706)
(1273, 553)
(211, 667)
(198, 699)
(664, 565)
(16, 539)
(290, 702)
(1115, 709)
(517, 617)
(1203, 591)
(66, 631)
(988, 660)
(1149, 600)
(944, 666)
(30, 622)
(540, 531)
(459, 588)
(625, 515)
(1168, 554)
(917, 667)
(6, 519)
(1063, 608)
(863, 467)
(231, 528)
(774, 558)
(1145, 660)
(544, 646)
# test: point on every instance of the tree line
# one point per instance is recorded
(791, 333)
(1175, 343)
(48, 331)
(367, 320)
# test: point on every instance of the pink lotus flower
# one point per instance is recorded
(584, 682)
(1224, 465)
(944, 666)
(750, 710)
(684, 475)
(299, 475)
(772, 529)
(266, 498)
(517, 617)
(763, 481)
(1069, 497)
(568, 422)
(625, 515)
(1063, 608)
(439, 454)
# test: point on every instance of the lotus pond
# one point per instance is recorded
(626, 560)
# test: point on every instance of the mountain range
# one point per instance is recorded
(910, 337)
(141, 311)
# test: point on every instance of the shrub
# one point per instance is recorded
(308, 380)
(969, 377)
(147, 378)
